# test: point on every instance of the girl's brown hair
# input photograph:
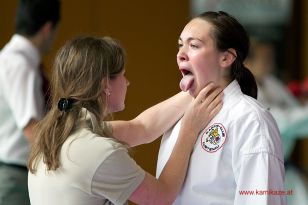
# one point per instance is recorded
(229, 33)
(79, 68)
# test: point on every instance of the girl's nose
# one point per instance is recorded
(182, 56)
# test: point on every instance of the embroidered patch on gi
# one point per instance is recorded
(213, 138)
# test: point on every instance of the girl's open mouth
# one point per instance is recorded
(187, 80)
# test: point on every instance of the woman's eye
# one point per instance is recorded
(180, 45)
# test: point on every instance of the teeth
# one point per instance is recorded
(185, 72)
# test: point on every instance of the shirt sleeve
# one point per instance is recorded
(260, 180)
(117, 177)
(23, 92)
(258, 162)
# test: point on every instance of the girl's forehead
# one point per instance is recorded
(197, 28)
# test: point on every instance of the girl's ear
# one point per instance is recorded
(228, 57)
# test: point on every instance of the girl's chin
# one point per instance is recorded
(193, 93)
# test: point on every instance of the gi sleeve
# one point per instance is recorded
(258, 162)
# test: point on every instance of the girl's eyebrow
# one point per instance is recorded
(190, 39)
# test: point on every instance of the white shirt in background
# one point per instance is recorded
(21, 97)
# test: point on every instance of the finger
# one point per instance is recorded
(215, 102)
(212, 114)
(208, 97)
(214, 106)
(215, 110)
(213, 95)
(203, 93)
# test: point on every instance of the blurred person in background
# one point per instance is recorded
(291, 115)
(22, 91)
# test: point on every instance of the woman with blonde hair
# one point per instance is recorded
(76, 159)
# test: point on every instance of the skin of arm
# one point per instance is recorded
(164, 190)
(29, 129)
(153, 122)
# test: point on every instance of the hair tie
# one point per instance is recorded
(65, 104)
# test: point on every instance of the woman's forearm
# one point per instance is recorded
(153, 122)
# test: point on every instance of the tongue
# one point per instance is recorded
(186, 82)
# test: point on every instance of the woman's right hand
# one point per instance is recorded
(202, 109)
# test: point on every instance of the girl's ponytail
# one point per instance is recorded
(246, 80)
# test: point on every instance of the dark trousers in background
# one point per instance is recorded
(13, 185)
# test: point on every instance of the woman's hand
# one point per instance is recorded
(202, 109)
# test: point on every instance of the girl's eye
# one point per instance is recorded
(194, 46)
(180, 45)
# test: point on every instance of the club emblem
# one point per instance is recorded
(213, 138)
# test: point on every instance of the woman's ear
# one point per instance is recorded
(105, 86)
(228, 57)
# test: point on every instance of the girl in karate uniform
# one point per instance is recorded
(238, 157)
